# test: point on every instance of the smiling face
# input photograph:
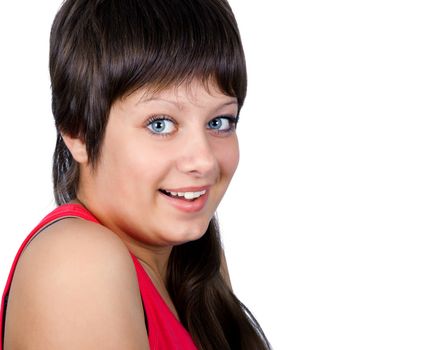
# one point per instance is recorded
(165, 164)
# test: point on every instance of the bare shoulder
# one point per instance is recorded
(75, 286)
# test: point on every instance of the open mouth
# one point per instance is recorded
(188, 196)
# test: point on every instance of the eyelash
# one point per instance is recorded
(231, 119)
(159, 117)
(232, 124)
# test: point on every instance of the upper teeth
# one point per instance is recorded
(188, 195)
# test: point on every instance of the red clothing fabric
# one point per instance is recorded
(165, 332)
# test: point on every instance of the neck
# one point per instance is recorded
(155, 259)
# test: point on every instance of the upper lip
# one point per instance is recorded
(188, 189)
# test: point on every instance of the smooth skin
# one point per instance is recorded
(75, 286)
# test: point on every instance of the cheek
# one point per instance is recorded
(143, 164)
(228, 157)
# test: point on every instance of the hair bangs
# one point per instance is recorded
(174, 42)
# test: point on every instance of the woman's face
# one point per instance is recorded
(165, 164)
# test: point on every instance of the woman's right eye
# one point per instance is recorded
(161, 125)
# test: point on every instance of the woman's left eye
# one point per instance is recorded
(161, 126)
(222, 124)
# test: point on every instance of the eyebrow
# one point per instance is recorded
(155, 98)
(233, 101)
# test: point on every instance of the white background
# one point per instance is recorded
(322, 224)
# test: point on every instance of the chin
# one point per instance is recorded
(188, 233)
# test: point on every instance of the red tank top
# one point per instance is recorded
(164, 329)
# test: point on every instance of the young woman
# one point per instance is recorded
(146, 99)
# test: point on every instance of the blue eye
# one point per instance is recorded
(222, 124)
(161, 125)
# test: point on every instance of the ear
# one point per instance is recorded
(77, 147)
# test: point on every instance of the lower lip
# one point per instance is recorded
(188, 206)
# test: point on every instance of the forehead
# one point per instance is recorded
(194, 92)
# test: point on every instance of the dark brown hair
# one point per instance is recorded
(102, 50)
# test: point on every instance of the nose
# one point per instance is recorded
(197, 156)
